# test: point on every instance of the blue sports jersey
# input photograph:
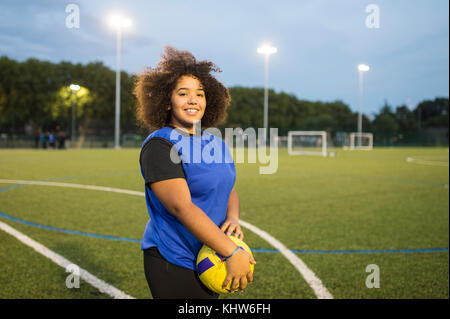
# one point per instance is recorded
(210, 175)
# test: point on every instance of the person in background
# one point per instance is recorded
(43, 139)
(51, 140)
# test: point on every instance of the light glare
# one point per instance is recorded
(363, 68)
(119, 22)
(74, 87)
(267, 49)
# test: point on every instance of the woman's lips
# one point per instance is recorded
(191, 111)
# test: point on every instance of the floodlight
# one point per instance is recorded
(119, 22)
(267, 49)
(363, 68)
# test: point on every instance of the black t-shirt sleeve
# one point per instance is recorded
(156, 162)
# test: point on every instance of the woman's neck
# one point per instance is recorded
(188, 129)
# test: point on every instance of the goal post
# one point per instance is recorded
(307, 143)
(361, 141)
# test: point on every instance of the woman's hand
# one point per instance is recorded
(231, 226)
(238, 268)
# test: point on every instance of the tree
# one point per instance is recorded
(433, 113)
(385, 126)
(406, 119)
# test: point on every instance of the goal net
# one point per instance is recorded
(307, 143)
(360, 141)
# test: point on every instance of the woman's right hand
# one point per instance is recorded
(238, 270)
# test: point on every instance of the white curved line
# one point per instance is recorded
(101, 285)
(313, 281)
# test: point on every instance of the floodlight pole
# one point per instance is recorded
(73, 120)
(117, 121)
(360, 107)
(266, 96)
(266, 50)
(74, 88)
(361, 69)
(118, 22)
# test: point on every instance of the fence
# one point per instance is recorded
(426, 137)
(22, 141)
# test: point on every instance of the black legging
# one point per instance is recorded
(169, 281)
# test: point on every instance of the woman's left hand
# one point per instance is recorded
(232, 226)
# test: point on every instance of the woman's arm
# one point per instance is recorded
(174, 194)
(231, 224)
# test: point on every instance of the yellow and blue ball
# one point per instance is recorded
(212, 270)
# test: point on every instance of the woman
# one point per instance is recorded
(187, 200)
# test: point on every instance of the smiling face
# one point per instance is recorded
(188, 103)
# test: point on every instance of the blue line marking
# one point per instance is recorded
(67, 231)
(4, 189)
(260, 250)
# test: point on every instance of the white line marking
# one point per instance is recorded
(425, 162)
(314, 282)
(91, 187)
(63, 262)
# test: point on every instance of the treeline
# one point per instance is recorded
(35, 95)
(427, 123)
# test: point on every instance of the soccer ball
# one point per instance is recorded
(212, 271)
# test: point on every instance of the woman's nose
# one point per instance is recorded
(192, 99)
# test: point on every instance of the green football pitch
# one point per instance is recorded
(388, 207)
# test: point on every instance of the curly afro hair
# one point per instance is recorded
(155, 85)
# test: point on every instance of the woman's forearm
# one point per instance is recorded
(204, 229)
